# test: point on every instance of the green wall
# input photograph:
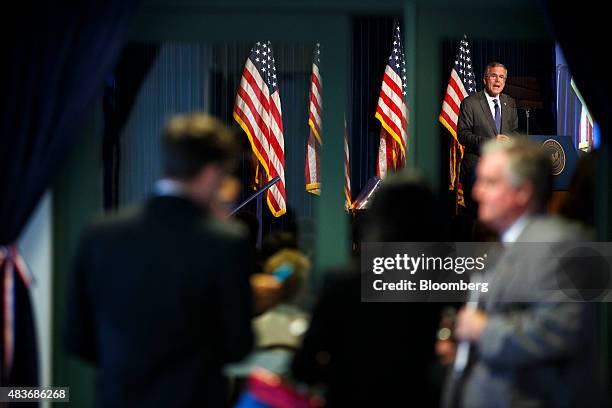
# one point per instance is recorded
(77, 197)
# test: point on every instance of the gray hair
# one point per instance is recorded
(527, 163)
(494, 64)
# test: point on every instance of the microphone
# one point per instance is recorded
(526, 109)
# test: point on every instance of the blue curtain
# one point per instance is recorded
(55, 61)
(119, 94)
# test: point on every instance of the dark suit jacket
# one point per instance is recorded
(476, 126)
(159, 301)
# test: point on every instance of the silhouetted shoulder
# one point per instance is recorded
(112, 222)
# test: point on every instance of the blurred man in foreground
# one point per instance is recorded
(541, 351)
(160, 297)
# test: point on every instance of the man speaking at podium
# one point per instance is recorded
(488, 114)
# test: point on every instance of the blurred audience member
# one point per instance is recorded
(160, 297)
(272, 243)
(279, 330)
(277, 240)
(284, 324)
(537, 352)
(376, 354)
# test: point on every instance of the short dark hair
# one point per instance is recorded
(494, 64)
(192, 141)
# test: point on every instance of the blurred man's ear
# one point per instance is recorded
(525, 194)
(208, 181)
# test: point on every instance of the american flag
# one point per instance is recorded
(392, 111)
(313, 148)
(462, 83)
(258, 111)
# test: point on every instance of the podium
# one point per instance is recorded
(563, 156)
(358, 209)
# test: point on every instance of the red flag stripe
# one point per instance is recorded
(395, 99)
(449, 121)
(256, 82)
(454, 93)
(457, 85)
(316, 78)
(315, 109)
(392, 109)
(391, 79)
(392, 124)
(256, 123)
(275, 159)
(449, 115)
(275, 109)
(315, 89)
(256, 144)
(258, 115)
(450, 104)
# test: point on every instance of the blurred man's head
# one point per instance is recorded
(404, 209)
(513, 178)
(198, 151)
(495, 76)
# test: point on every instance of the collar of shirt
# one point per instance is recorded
(511, 234)
(490, 102)
(167, 187)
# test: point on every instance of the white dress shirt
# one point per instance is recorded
(167, 187)
(514, 231)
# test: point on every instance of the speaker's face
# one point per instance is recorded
(495, 80)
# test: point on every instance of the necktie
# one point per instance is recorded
(497, 117)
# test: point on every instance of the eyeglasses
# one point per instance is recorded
(495, 76)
